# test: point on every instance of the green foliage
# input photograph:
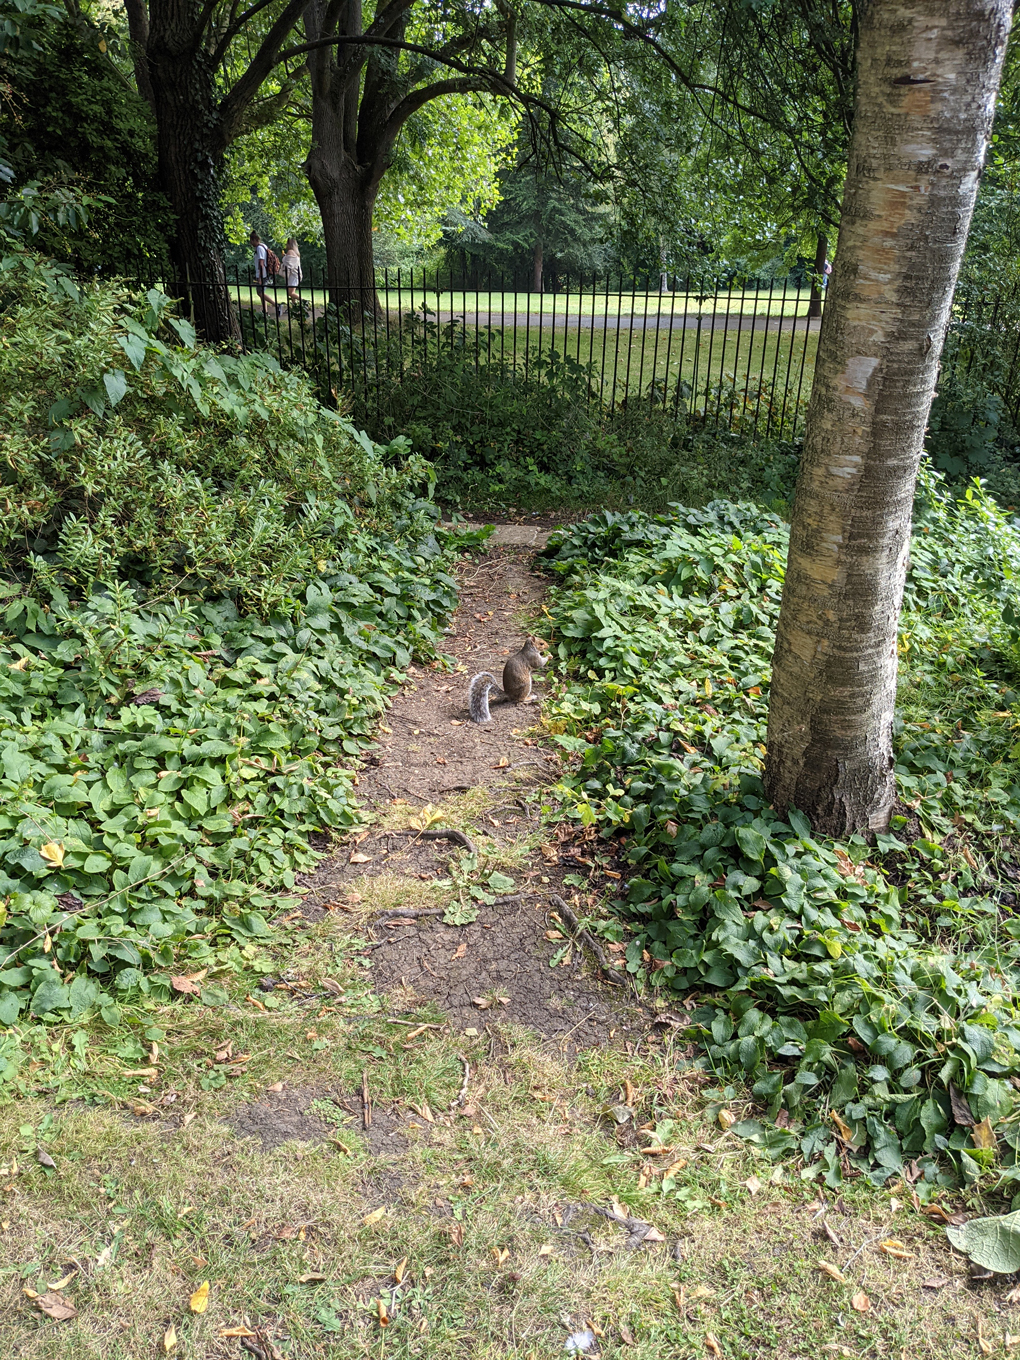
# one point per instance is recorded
(213, 584)
(128, 451)
(850, 984)
(77, 128)
(538, 435)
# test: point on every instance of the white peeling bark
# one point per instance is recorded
(928, 73)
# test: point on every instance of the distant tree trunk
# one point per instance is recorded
(181, 83)
(537, 266)
(345, 194)
(821, 255)
(926, 84)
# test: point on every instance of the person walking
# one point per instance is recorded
(267, 266)
(291, 264)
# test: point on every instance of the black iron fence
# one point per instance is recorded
(731, 357)
(736, 356)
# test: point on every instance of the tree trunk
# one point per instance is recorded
(927, 78)
(346, 198)
(537, 266)
(190, 160)
(821, 255)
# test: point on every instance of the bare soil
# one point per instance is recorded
(430, 751)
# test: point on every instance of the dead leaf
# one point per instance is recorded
(653, 1235)
(18, 665)
(170, 1338)
(712, 1345)
(399, 1269)
(460, 951)
(53, 853)
(358, 858)
(500, 764)
(456, 1231)
(44, 1159)
(236, 1331)
(726, 1119)
(381, 1313)
(482, 1002)
(199, 1301)
(860, 1302)
(501, 1254)
(833, 1272)
(674, 1167)
(984, 1345)
(58, 1285)
(983, 1134)
(936, 1212)
(276, 1086)
(892, 1246)
(184, 984)
(702, 1291)
(56, 1307)
(842, 1127)
(629, 1094)
(546, 1249)
(958, 1103)
(753, 1185)
(313, 1277)
(938, 1282)
(373, 1217)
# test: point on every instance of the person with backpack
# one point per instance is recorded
(267, 266)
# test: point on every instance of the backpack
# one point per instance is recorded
(272, 263)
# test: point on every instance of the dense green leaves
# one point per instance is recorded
(859, 979)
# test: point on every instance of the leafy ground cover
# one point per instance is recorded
(228, 1145)
(212, 584)
(865, 991)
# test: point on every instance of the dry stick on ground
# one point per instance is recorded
(458, 838)
(414, 913)
(366, 1101)
(585, 937)
(464, 1083)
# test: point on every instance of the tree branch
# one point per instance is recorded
(138, 33)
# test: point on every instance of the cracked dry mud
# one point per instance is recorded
(428, 752)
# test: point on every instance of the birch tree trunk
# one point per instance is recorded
(928, 72)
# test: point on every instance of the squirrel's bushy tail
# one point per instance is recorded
(478, 696)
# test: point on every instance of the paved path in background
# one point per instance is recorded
(680, 322)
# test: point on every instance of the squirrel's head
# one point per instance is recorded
(533, 646)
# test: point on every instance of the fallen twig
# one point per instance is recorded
(464, 1083)
(366, 1102)
(585, 937)
(414, 913)
(442, 834)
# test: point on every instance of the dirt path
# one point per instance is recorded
(430, 753)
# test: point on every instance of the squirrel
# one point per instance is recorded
(516, 682)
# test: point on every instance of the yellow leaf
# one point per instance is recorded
(62, 1284)
(235, 1331)
(726, 1117)
(373, 1217)
(710, 1342)
(674, 1167)
(102, 44)
(701, 1292)
(860, 1302)
(833, 1272)
(501, 1254)
(199, 1301)
(381, 1313)
(53, 853)
(18, 665)
(842, 1128)
(170, 1339)
(546, 1249)
(892, 1246)
(983, 1134)
(399, 1269)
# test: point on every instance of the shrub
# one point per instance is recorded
(854, 985)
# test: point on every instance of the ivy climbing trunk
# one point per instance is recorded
(928, 72)
(190, 147)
